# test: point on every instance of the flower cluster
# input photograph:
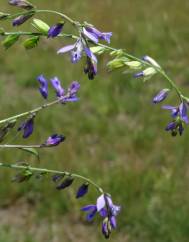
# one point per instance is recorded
(69, 95)
(107, 210)
(81, 47)
(179, 113)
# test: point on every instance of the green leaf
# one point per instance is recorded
(31, 151)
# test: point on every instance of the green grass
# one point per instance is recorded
(114, 134)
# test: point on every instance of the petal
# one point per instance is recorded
(91, 215)
(90, 54)
(90, 35)
(88, 207)
(113, 222)
(183, 112)
(57, 86)
(103, 212)
(65, 49)
(106, 37)
(100, 202)
(168, 107)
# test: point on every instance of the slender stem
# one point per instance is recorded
(32, 111)
(44, 170)
(60, 14)
(22, 146)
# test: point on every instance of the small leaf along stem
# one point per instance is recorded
(49, 171)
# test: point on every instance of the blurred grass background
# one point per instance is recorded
(114, 134)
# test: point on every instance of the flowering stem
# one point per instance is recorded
(34, 111)
(158, 69)
(44, 170)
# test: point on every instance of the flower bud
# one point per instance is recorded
(10, 40)
(151, 61)
(31, 42)
(21, 19)
(66, 183)
(4, 16)
(117, 63)
(21, 3)
(161, 95)
(133, 64)
(40, 26)
(83, 189)
(98, 50)
(55, 30)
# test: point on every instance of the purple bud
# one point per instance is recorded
(21, 3)
(83, 189)
(139, 74)
(44, 86)
(54, 140)
(57, 177)
(66, 183)
(171, 126)
(27, 127)
(21, 19)
(105, 228)
(161, 96)
(57, 86)
(90, 69)
(55, 30)
(180, 128)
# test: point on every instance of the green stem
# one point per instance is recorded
(65, 17)
(32, 111)
(44, 170)
(22, 146)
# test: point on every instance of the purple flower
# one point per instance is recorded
(161, 96)
(180, 117)
(54, 140)
(105, 207)
(21, 19)
(21, 3)
(57, 86)
(180, 112)
(43, 86)
(55, 30)
(94, 34)
(83, 189)
(75, 50)
(27, 127)
(71, 95)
